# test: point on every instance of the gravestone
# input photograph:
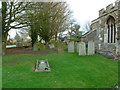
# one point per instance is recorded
(64, 45)
(42, 65)
(71, 47)
(51, 46)
(60, 47)
(53, 42)
(42, 46)
(91, 48)
(82, 49)
(35, 47)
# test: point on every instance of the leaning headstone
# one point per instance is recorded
(42, 46)
(35, 47)
(82, 49)
(91, 48)
(71, 46)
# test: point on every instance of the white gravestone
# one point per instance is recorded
(82, 49)
(71, 47)
(51, 46)
(91, 48)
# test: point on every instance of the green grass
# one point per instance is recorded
(68, 70)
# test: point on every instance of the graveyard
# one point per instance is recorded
(68, 70)
(44, 45)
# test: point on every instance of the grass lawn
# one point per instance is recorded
(68, 70)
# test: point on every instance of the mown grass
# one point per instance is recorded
(68, 70)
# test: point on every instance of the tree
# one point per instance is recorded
(0, 31)
(47, 19)
(11, 12)
(74, 31)
(88, 26)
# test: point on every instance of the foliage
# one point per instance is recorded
(47, 19)
(11, 13)
(42, 46)
(74, 31)
(18, 38)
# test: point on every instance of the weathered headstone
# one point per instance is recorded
(71, 46)
(53, 42)
(42, 65)
(51, 46)
(64, 45)
(82, 49)
(91, 48)
(35, 47)
(60, 47)
(42, 46)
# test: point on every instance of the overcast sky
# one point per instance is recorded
(85, 10)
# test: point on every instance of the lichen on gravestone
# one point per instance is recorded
(36, 47)
(53, 42)
(71, 47)
(41, 46)
(60, 47)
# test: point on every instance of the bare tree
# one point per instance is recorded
(88, 26)
(11, 12)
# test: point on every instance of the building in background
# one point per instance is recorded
(105, 31)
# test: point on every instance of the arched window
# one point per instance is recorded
(111, 29)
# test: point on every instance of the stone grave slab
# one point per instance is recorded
(42, 65)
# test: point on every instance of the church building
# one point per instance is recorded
(105, 31)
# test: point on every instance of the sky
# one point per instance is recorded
(83, 10)
(87, 10)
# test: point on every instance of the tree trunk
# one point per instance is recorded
(4, 39)
(56, 36)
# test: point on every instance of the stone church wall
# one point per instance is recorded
(99, 32)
